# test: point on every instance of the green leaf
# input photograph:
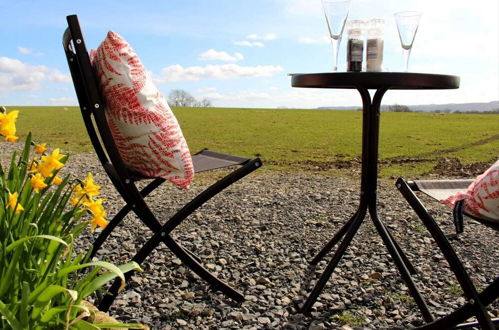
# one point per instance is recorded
(53, 290)
(100, 281)
(7, 276)
(116, 271)
(43, 300)
(24, 304)
(23, 160)
(11, 319)
(84, 325)
(13, 245)
(50, 314)
(38, 289)
(121, 325)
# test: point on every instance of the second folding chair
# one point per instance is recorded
(476, 301)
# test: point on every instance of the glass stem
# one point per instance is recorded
(407, 54)
(336, 46)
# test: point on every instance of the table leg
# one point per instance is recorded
(350, 233)
(337, 237)
(400, 263)
(401, 252)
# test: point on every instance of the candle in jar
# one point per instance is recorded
(374, 54)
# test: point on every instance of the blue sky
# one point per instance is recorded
(238, 53)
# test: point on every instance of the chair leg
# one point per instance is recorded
(162, 233)
(186, 257)
(449, 254)
(119, 217)
(454, 319)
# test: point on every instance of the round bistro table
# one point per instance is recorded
(381, 82)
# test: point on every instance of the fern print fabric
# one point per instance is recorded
(481, 199)
(143, 126)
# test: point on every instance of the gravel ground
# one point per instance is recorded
(259, 234)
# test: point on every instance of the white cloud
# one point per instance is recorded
(212, 54)
(206, 90)
(62, 101)
(24, 50)
(308, 40)
(224, 71)
(242, 97)
(27, 51)
(301, 7)
(268, 36)
(55, 75)
(246, 43)
(16, 75)
(290, 98)
(213, 96)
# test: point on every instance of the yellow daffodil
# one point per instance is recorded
(40, 148)
(38, 182)
(85, 191)
(76, 201)
(98, 221)
(95, 207)
(33, 167)
(98, 213)
(8, 125)
(56, 180)
(80, 197)
(11, 138)
(50, 163)
(13, 204)
(89, 187)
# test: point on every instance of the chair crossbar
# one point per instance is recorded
(124, 178)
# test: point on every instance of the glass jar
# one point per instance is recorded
(355, 45)
(374, 47)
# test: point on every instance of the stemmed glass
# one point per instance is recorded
(407, 25)
(336, 12)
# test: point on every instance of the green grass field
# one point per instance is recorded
(310, 140)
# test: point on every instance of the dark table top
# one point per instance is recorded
(375, 80)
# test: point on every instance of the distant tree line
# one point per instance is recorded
(398, 108)
(404, 108)
(181, 98)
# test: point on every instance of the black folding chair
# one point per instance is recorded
(124, 179)
(476, 301)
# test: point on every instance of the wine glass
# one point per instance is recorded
(407, 25)
(336, 12)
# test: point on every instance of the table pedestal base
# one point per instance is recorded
(370, 137)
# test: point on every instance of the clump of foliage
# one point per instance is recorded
(42, 281)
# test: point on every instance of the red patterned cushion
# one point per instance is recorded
(144, 128)
(481, 199)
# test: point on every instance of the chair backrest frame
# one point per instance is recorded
(92, 105)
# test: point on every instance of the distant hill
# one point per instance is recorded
(451, 107)
(463, 107)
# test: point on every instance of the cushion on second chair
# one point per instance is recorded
(481, 199)
(144, 128)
